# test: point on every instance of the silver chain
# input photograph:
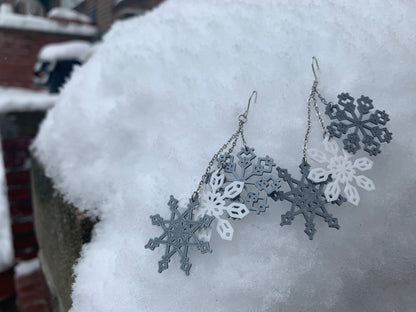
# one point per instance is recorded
(308, 129)
(323, 100)
(312, 99)
(318, 113)
(242, 119)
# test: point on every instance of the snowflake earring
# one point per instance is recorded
(356, 122)
(246, 181)
(307, 196)
(340, 166)
(255, 172)
(192, 227)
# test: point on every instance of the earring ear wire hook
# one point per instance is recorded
(243, 117)
(314, 59)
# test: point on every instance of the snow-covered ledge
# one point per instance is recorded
(10, 20)
(61, 230)
(141, 119)
(25, 100)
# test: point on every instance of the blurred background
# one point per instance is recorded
(40, 43)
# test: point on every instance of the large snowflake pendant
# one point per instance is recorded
(179, 233)
(213, 203)
(342, 170)
(352, 123)
(256, 175)
(307, 199)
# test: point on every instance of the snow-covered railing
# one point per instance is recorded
(9, 20)
(60, 13)
(19, 99)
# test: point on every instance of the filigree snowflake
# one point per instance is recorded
(352, 119)
(213, 203)
(341, 170)
(179, 233)
(256, 175)
(307, 198)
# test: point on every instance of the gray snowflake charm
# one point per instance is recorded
(252, 171)
(351, 118)
(307, 198)
(179, 233)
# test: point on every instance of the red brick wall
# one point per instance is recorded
(18, 54)
(16, 161)
(32, 293)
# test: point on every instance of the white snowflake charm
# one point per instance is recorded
(213, 203)
(342, 171)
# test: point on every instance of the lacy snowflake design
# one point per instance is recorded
(341, 170)
(352, 118)
(307, 198)
(255, 172)
(179, 233)
(213, 203)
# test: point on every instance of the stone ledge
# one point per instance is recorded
(61, 230)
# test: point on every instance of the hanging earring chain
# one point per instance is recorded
(242, 119)
(312, 99)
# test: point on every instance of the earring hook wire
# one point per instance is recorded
(243, 116)
(230, 144)
(314, 59)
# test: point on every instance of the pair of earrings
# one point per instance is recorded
(243, 183)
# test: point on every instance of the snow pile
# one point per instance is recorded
(68, 14)
(6, 244)
(36, 23)
(26, 267)
(142, 118)
(70, 50)
(19, 99)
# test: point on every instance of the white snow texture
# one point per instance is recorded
(68, 14)
(27, 267)
(20, 99)
(6, 243)
(37, 23)
(143, 117)
(70, 50)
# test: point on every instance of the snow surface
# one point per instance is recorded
(142, 118)
(65, 13)
(20, 99)
(69, 50)
(6, 244)
(26, 267)
(38, 23)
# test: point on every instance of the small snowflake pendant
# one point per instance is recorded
(352, 123)
(307, 199)
(213, 203)
(341, 170)
(179, 233)
(255, 173)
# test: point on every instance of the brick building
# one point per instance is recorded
(25, 27)
(22, 36)
(105, 12)
(24, 30)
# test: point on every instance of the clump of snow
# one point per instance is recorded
(26, 267)
(20, 99)
(6, 8)
(68, 14)
(6, 244)
(10, 20)
(70, 50)
(142, 118)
